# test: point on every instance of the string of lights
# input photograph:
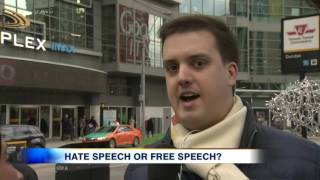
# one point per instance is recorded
(299, 103)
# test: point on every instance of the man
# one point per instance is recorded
(201, 61)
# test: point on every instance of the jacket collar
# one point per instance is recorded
(250, 128)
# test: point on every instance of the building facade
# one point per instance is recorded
(82, 58)
(129, 39)
(52, 67)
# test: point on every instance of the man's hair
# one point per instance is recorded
(225, 41)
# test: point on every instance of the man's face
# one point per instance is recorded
(199, 84)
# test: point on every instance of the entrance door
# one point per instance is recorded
(56, 121)
(70, 112)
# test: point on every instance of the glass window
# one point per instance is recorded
(10, 3)
(66, 11)
(220, 7)
(29, 116)
(3, 113)
(80, 15)
(208, 6)
(157, 24)
(185, 6)
(241, 7)
(151, 27)
(41, 7)
(196, 6)
(66, 26)
(14, 115)
(25, 4)
(56, 121)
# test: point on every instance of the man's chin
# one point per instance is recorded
(189, 123)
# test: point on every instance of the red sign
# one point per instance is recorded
(301, 29)
(7, 72)
(134, 36)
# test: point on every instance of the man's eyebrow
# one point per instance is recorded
(168, 61)
(200, 55)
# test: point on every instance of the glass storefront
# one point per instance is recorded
(56, 121)
(124, 114)
(65, 22)
(39, 115)
(3, 114)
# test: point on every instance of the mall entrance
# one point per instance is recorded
(47, 117)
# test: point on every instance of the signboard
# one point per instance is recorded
(14, 20)
(109, 116)
(133, 34)
(300, 44)
(7, 72)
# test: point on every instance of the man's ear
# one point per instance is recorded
(232, 69)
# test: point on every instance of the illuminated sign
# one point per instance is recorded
(301, 34)
(28, 41)
(62, 48)
(14, 20)
(300, 44)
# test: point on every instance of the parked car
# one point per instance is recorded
(31, 135)
(116, 136)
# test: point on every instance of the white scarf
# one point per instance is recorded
(225, 134)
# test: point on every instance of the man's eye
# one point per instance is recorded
(171, 67)
(199, 64)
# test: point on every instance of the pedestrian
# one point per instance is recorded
(149, 127)
(44, 126)
(132, 122)
(67, 127)
(201, 58)
(91, 125)
(82, 125)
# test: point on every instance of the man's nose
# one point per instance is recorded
(184, 75)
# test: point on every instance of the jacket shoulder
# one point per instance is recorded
(286, 156)
(134, 171)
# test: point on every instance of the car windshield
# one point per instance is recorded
(107, 129)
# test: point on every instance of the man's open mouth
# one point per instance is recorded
(190, 96)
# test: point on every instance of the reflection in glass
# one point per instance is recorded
(29, 116)
(10, 3)
(14, 115)
(208, 6)
(196, 6)
(44, 121)
(220, 7)
(3, 112)
(185, 6)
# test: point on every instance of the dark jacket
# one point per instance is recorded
(287, 157)
(27, 172)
